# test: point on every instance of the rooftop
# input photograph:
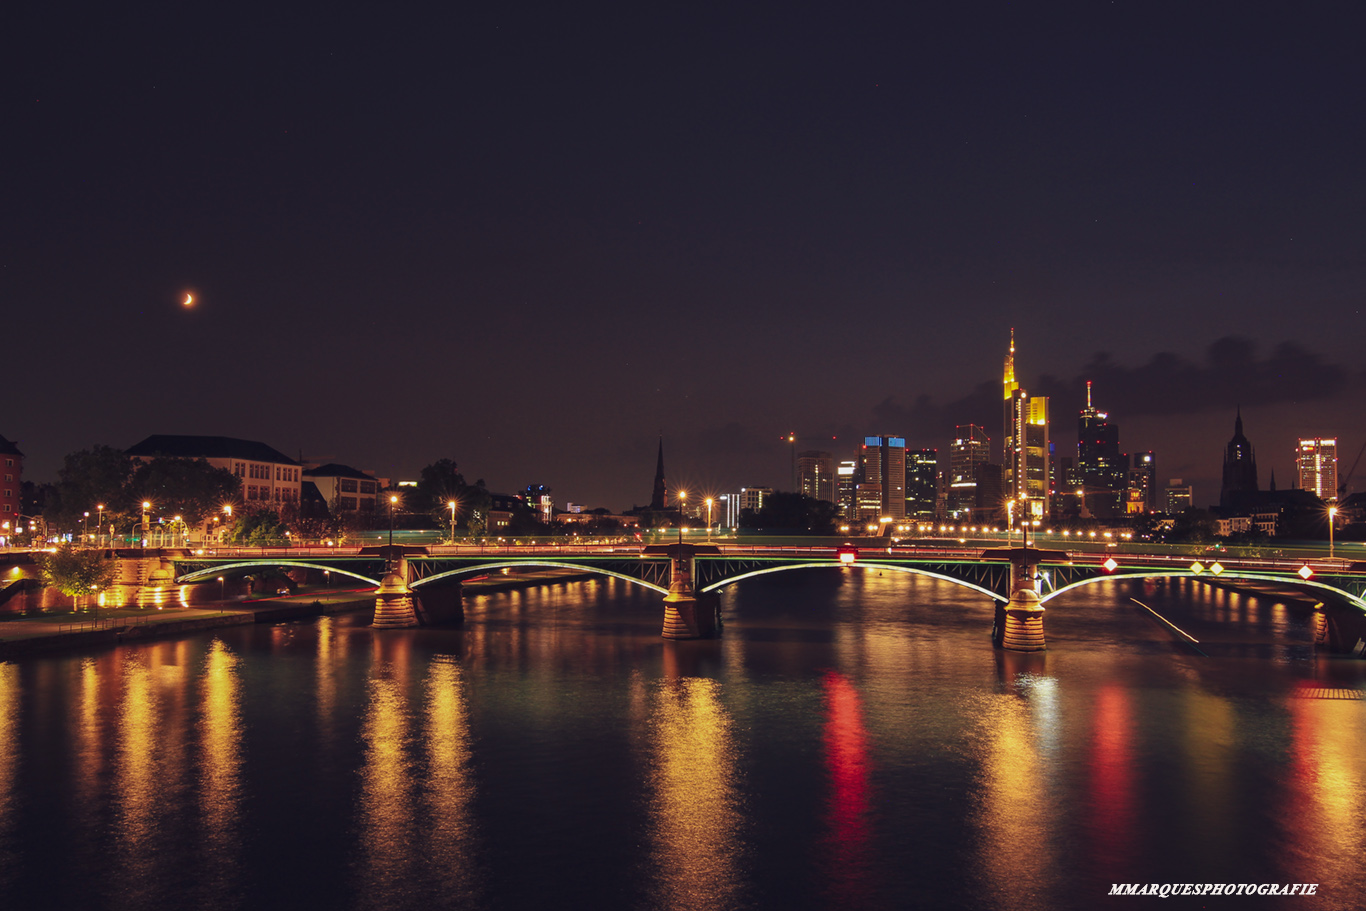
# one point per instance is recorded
(192, 447)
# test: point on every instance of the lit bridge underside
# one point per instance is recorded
(974, 569)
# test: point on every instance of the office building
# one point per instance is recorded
(846, 481)
(1316, 466)
(1027, 447)
(882, 465)
(922, 483)
(816, 475)
(970, 448)
(1102, 469)
(1143, 482)
(1180, 497)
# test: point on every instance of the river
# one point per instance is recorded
(852, 741)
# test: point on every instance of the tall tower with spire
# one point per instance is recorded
(1026, 445)
(1103, 469)
(660, 498)
(1240, 465)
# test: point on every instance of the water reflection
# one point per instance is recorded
(9, 773)
(450, 786)
(846, 852)
(1017, 806)
(1111, 824)
(387, 824)
(220, 762)
(696, 816)
(1324, 809)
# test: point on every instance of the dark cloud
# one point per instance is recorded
(927, 424)
(1231, 373)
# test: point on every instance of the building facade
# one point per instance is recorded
(816, 475)
(344, 489)
(971, 447)
(269, 477)
(882, 467)
(1101, 468)
(1027, 447)
(1316, 466)
(922, 483)
(1240, 466)
(11, 490)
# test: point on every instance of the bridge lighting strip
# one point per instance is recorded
(538, 564)
(213, 572)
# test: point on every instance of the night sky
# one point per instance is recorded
(531, 237)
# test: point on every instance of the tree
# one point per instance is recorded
(258, 528)
(439, 484)
(76, 572)
(1196, 526)
(793, 511)
(190, 488)
(88, 479)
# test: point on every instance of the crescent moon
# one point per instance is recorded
(189, 300)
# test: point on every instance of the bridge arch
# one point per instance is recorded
(891, 567)
(1227, 574)
(545, 564)
(214, 571)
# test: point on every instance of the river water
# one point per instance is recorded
(852, 741)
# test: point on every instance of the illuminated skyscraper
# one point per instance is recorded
(816, 475)
(1316, 464)
(922, 483)
(970, 448)
(1026, 445)
(846, 482)
(1102, 468)
(882, 463)
(1143, 483)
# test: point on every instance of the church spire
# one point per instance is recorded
(660, 498)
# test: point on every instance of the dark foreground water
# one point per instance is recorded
(852, 742)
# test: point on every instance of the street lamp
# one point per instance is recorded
(85, 527)
(709, 502)
(145, 506)
(451, 504)
(682, 512)
(99, 522)
(1332, 514)
(393, 498)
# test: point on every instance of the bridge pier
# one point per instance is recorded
(1019, 622)
(687, 614)
(396, 607)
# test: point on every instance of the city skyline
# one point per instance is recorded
(528, 239)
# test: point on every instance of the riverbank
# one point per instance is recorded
(44, 633)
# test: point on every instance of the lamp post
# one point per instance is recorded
(145, 506)
(792, 442)
(99, 522)
(451, 504)
(393, 498)
(85, 528)
(709, 502)
(682, 512)
(1332, 514)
